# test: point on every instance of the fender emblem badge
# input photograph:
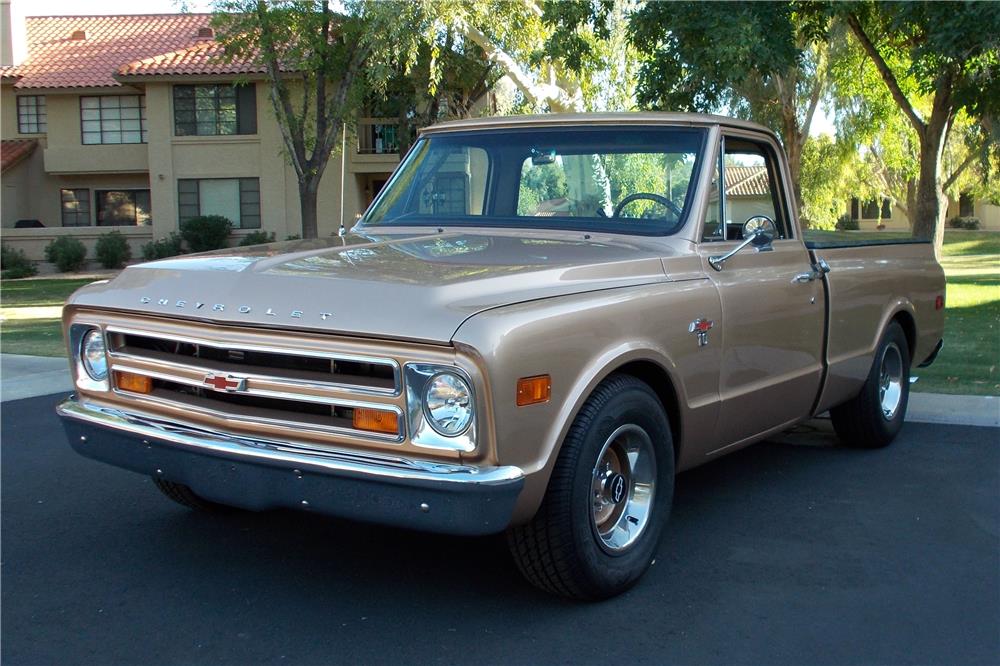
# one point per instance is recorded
(701, 327)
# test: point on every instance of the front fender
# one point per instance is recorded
(579, 340)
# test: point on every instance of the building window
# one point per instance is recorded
(75, 208)
(237, 199)
(869, 211)
(215, 109)
(123, 208)
(966, 205)
(113, 119)
(31, 115)
(873, 209)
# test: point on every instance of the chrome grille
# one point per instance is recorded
(248, 383)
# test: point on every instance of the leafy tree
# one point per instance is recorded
(446, 79)
(936, 60)
(758, 60)
(562, 56)
(317, 63)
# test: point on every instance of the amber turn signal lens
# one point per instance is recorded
(128, 381)
(376, 420)
(532, 390)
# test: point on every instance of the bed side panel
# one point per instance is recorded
(868, 286)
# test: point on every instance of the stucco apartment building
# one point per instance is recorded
(132, 123)
(872, 213)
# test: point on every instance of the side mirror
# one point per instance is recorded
(758, 231)
(761, 231)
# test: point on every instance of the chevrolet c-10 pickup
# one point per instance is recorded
(538, 322)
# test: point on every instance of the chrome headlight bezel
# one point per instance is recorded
(423, 431)
(86, 377)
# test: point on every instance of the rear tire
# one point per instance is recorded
(184, 496)
(873, 418)
(609, 496)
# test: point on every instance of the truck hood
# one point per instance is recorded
(411, 287)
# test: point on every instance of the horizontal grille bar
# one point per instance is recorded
(303, 389)
(357, 373)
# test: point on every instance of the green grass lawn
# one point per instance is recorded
(969, 363)
(959, 243)
(30, 315)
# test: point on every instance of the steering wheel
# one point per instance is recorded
(662, 200)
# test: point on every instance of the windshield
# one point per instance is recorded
(636, 180)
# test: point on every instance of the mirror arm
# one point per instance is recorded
(716, 261)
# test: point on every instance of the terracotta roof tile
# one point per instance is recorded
(747, 181)
(200, 59)
(57, 60)
(12, 151)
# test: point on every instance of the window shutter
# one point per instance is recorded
(854, 208)
(886, 209)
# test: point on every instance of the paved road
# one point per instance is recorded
(794, 552)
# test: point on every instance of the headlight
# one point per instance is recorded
(93, 355)
(448, 403)
(440, 407)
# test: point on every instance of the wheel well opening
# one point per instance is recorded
(909, 326)
(658, 380)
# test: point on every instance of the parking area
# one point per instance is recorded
(794, 551)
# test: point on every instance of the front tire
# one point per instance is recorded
(183, 495)
(873, 418)
(609, 496)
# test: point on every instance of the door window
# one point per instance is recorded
(745, 185)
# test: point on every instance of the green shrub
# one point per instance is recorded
(257, 238)
(112, 250)
(15, 263)
(967, 223)
(293, 237)
(66, 252)
(170, 246)
(208, 232)
(845, 223)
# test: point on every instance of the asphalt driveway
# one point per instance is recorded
(792, 552)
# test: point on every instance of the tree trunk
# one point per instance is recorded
(931, 203)
(307, 203)
(911, 201)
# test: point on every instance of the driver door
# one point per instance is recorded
(772, 325)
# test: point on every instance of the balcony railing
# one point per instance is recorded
(378, 136)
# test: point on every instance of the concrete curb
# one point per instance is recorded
(30, 376)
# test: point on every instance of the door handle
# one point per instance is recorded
(819, 269)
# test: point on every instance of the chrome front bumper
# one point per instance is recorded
(260, 474)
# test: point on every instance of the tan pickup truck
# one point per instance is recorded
(536, 325)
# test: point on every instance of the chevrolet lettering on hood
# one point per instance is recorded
(221, 307)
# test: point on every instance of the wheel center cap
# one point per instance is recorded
(615, 487)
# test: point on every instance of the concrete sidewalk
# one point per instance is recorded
(30, 376)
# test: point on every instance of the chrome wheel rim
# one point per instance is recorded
(890, 381)
(624, 484)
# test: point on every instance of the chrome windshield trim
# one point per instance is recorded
(284, 454)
